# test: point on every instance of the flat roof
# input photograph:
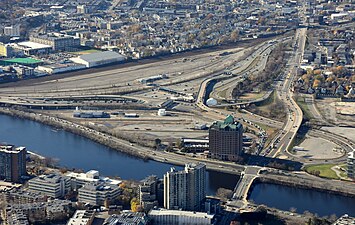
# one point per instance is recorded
(195, 140)
(98, 56)
(23, 60)
(161, 212)
(33, 45)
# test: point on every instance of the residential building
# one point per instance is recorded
(17, 219)
(178, 217)
(39, 211)
(97, 193)
(12, 163)
(175, 189)
(351, 165)
(127, 218)
(196, 185)
(185, 189)
(7, 50)
(12, 31)
(83, 9)
(18, 196)
(226, 139)
(52, 185)
(149, 192)
(345, 220)
(82, 217)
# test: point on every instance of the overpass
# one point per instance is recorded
(241, 190)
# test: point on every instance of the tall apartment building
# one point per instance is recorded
(351, 165)
(149, 192)
(185, 189)
(226, 139)
(196, 185)
(57, 41)
(52, 185)
(12, 163)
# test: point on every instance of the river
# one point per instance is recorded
(74, 151)
(285, 197)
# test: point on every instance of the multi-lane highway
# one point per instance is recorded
(285, 94)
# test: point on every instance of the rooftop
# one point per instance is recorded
(228, 124)
(128, 218)
(92, 176)
(23, 60)
(11, 149)
(33, 45)
(101, 56)
(166, 212)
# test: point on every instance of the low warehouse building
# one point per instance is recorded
(98, 59)
(60, 68)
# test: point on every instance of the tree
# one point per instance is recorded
(234, 36)
(157, 143)
(316, 83)
(135, 207)
(224, 193)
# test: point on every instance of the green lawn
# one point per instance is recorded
(252, 96)
(86, 52)
(303, 105)
(344, 173)
(324, 169)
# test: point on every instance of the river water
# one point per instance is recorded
(74, 151)
(285, 197)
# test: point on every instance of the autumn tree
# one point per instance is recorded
(234, 36)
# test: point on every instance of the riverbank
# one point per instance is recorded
(91, 134)
(121, 145)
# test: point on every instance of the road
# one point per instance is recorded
(285, 94)
(239, 71)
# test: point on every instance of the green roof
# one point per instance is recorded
(228, 123)
(229, 119)
(23, 61)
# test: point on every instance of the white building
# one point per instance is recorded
(98, 59)
(82, 217)
(178, 217)
(80, 179)
(351, 165)
(12, 31)
(161, 112)
(32, 48)
(51, 185)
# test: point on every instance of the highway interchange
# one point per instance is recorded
(202, 68)
(227, 70)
